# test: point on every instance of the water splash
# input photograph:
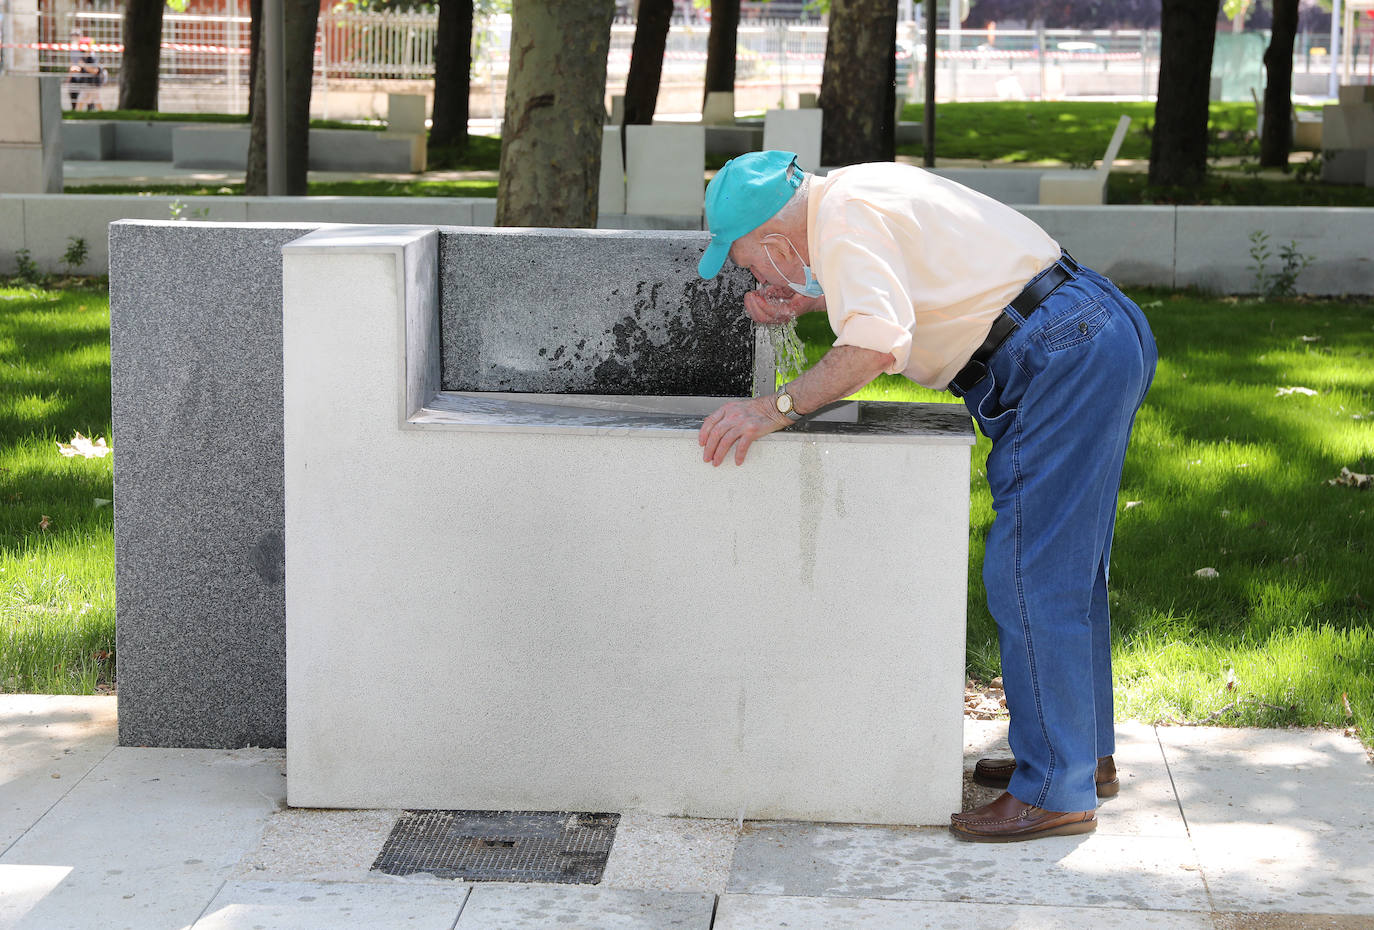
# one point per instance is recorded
(789, 355)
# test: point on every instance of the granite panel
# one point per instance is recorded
(196, 369)
(590, 312)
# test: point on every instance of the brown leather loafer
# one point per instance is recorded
(1007, 820)
(996, 773)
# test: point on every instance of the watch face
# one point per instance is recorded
(784, 403)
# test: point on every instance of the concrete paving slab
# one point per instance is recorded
(761, 912)
(1283, 820)
(245, 905)
(323, 846)
(48, 743)
(567, 907)
(1146, 805)
(670, 853)
(908, 863)
(148, 838)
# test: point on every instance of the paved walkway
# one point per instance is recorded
(1214, 828)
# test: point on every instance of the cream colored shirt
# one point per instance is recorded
(917, 265)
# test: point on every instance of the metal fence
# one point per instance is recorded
(209, 52)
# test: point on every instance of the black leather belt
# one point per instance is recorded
(1025, 304)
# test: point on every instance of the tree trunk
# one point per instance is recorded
(302, 21)
(720, 47)
(646, 61)
(142, 53)
(1277, 138)
(1178, 149)
(555, 110)
(448, 133)
(858, 83)
(254, 51)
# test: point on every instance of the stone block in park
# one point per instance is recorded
(733, 140)
(547, 601)
(795, 131)
(665, 170)
(196, 366)
(30, 135)
(719, 109)
(611, 182)
(88, 140)
(209, 145)
(362, 150)
(1354, 94)
(1348, 126)
(145, 140)
(405, 113)
(1348, 166)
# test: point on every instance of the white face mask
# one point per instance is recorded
(812, 287)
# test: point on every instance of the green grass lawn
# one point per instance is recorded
(1228, 476)
(56, 522)
(1068, 131)
(366, 188)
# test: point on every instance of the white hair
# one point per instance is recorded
(794, 210)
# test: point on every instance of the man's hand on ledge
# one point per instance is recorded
(738, 424)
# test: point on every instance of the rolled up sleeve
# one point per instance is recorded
(867, 294)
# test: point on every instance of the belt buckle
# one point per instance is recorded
(974, 367)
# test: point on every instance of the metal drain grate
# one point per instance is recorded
(500, 846)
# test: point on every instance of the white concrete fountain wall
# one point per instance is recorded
(535, 609)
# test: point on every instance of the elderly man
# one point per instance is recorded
(925, 278)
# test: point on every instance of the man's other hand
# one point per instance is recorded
(738, 424)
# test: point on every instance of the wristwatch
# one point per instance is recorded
(785, 405)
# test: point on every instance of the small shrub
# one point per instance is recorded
(27, 268)
(1282, 283)
(1308, 171)
(76, 254)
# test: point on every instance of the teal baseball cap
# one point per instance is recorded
(744, 195)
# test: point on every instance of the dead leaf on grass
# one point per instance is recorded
(84, 447)
(1352, 479)
(1208, 572)
(44, 523)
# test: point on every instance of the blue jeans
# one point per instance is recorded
(1058, 404)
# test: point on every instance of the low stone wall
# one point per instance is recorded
(1160, 246)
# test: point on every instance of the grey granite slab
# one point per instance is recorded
(927, 864)
(196, 385)
(590, 312)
